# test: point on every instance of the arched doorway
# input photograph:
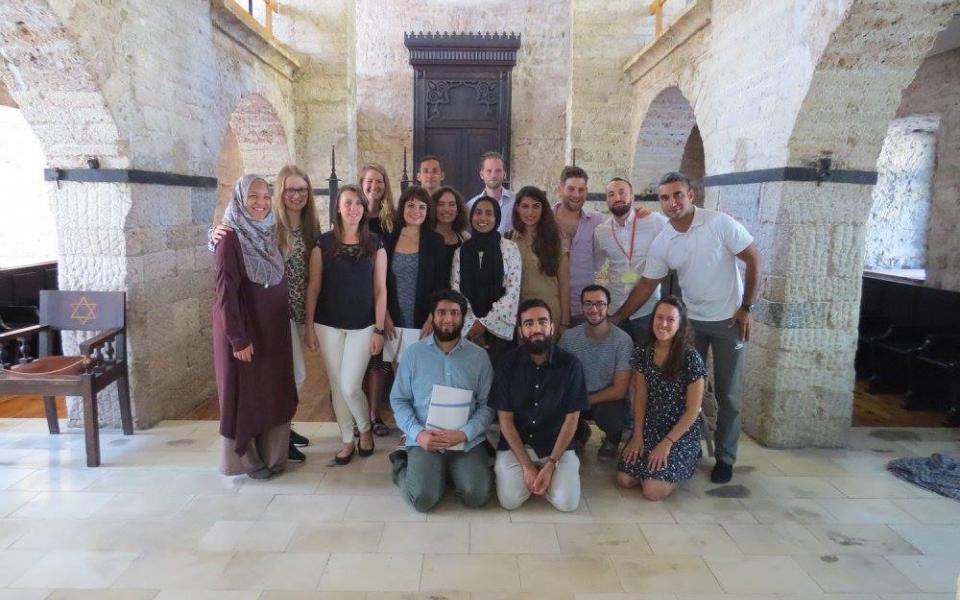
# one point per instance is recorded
(666, 140)
(813, 231)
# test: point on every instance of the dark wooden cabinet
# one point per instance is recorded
(461, 100)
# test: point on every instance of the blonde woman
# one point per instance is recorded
(375, 185)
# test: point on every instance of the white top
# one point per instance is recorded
(506, 208)
(706, 263)
(613, 242)
(502, 318)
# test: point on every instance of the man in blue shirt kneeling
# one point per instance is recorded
(442, 358)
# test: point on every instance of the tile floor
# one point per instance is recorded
(157, 522)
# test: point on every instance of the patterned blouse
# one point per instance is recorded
(296, 268)
(502, 318)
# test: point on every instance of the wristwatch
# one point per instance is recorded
(747, 307)
(378, 331)
(553, 460)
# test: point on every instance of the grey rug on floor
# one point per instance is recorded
(938, 473)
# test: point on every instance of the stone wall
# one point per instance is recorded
(935, 90)
(384, 79)
(154, 90)
(896, 235)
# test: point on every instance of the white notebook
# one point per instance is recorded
(449, 409)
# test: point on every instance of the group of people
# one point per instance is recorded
(497, 299)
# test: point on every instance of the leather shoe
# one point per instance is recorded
(298, 440)
(722, 472)
(294, 455)
(343, 460)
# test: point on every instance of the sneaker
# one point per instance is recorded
(722, 472)
(294, 454)
(607, 449)
(298, 440)
(261, 473)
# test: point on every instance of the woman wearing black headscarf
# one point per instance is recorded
(486, 268)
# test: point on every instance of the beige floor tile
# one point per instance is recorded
(627, 596)
(932, 574)
(337, 536)
(918, 596)
(425, 538)
(208, 595)
(434, 595)
(875, 486)
(854, 573)
(287, 595)
(380, 508)
(307, 508)
(771, 511)
(513, 538)
(709, 510)
(935, 540)
(11, 475)
(629, 506)
(176, 570)
(931, 510)
(142, 505)
(60, 505)
(12, 530)
(602, 538)
(806, 463)
(13, 563)
(760, 574)
(796, 487)
(568, 573)
(865, 511)
(787, 537)
(299, 481)
(206, 507)
(820, 596)
(342, 483)
(470, 572)
(11, 501)
(274, 571)
(695, 539)
(57, 480)
(860, 539)
(372, 572)
(70, 569)
(27, 594)
(102, 595)
(247, 536)
(661, 574)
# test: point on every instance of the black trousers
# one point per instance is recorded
(610, 417)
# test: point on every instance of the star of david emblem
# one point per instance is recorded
(83, 310)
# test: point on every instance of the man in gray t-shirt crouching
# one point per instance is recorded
(604, 351)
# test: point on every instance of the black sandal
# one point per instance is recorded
(380, 428)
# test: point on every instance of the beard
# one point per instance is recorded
(537, 346)
(620, 209)
(447, 335)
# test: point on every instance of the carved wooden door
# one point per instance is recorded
(461, 101)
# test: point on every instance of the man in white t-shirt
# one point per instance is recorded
(622, 241)
(493, 172)
(703, 245)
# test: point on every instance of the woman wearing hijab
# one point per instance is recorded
(487, 270)
(251, 337)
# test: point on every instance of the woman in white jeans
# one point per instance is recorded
(347, 304)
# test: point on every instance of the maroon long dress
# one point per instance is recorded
(260, 397)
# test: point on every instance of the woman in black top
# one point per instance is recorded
(347, 302)
(452, 222)
(415, 265)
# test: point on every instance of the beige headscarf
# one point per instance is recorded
(261, 257)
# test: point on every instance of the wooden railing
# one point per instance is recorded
(269, 7)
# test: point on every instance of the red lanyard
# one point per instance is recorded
(633, 237)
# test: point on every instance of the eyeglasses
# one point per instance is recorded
(597, 305)
(292, 191)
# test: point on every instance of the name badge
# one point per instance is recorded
(629, 277)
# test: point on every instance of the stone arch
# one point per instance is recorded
(254, 142)
(663, 138)
(44, 71)
(800, 367)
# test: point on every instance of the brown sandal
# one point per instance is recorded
(380, 428)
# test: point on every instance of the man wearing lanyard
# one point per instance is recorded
(576, 229)
(622, 241)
